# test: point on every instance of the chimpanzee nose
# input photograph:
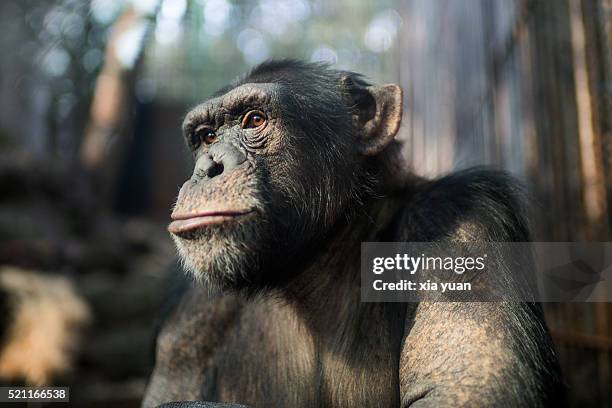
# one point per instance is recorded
(206, 167)
(220, 158)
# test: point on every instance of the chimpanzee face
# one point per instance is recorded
(278, 159)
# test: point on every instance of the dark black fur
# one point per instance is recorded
(300, 337)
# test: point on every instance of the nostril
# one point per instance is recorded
(215, 170)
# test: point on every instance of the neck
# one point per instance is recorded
(326, 293)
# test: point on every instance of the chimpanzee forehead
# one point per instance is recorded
(245, 96)
(245, 93)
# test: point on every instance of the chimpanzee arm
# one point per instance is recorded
(475, 353)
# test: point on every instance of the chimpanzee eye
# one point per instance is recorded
(210, 137)
(253, 119)
(204, 134)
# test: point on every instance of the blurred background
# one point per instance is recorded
(92, 94)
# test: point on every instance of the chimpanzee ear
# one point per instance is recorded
(377, 113)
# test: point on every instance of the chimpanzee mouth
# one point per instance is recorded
(187, 223)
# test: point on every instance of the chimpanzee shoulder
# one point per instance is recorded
(471, 205)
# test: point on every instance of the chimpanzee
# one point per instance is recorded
(296, 165)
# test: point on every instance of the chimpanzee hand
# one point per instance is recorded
(200, 404)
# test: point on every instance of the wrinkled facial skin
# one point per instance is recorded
(263, 186)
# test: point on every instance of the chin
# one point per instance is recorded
(218, 256)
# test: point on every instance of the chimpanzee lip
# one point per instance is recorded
(188, 222)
